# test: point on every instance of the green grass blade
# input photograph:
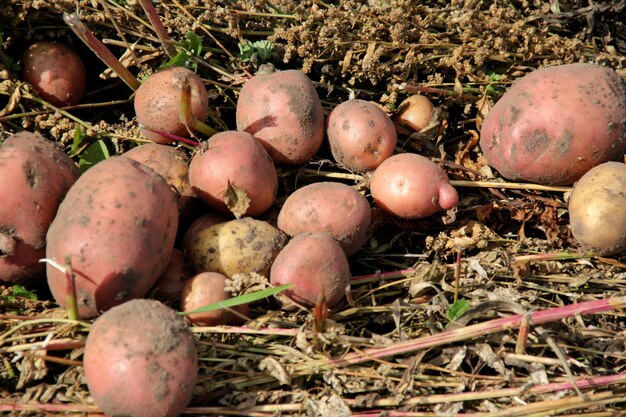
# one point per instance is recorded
(242, 299)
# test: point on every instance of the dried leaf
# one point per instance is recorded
(272, 367)
(237, 200)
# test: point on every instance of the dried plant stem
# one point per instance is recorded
(508, 185)
(186, 113)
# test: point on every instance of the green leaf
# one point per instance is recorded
(180, 60)
(457, 309)
(79, 139)
(195, 44)
(95, 153)
(242, 299)
(20, 291)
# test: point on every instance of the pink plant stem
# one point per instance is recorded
(480, 329)
(158, 26)
(362, 279)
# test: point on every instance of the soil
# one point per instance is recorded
(449, 315)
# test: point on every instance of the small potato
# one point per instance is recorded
(415, 112)
(157, 103)
(170, 284)
(55, 71)
(232, 172)
(361, 135)
(555, 124)
(117, 227)
(208, 288)
(411, 186)
(597, 209)
(35, 175)
(237, 246)
(330, 207)
(318, 267)
(140, 360)
(282, 111)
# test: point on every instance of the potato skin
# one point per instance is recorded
(36, 175)
(236, 159)
(157, 102)
(415, 112)
(140, 360)
(597, 209)
(318, 267)
(360, 134)
(117, 226)
(556, 123)
(330, 207)
(237, 246)
(283, 111)
(411, 186)
(55, 71)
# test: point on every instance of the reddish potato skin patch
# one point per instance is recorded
(411, 186)
(140, 360)
(157, 103)
(318, 267)
(55, 71)
(556, 123)
(282, 111)
(329, 207)
(36, 175)
(360, 134)
(117, 225)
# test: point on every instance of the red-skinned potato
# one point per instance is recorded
(330, 207)
(157, 103)
(170, 284)
(283, 111)
(36, 175)
(55, 71)
(411, 186)
(233, 173)
(318, 267)
(556, 123)
(209, 288)
(140, 360)
(597, 209)
(117, 227)
(361, 135)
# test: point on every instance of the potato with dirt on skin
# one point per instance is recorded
(140, 360)
(597, 209)
(555, 124)
(411, 186)
(209, 288)
(330, 207)
(55, 71)
(201, 223)
(35, 175)
(317, 266)
(233, 173)
(361, 135)
(116, 227)
(282, 111)
(157, 103)
(170, 284)
(237, 246)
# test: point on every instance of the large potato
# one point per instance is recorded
(140, 360)
(117, 227)
(597, 209)
(330, 207)
(557, 123)
(237, 246)
(283, 111)
(34, 177)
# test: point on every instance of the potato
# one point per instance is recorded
(208, 288)
(232, 172)
(117, 227)
(283, 111)
(411, 186)
(331, 207)
(415, 112)
(597, 209)
(361, 135)
(201, 223)
(318, 267)
(555, 124)
(157, 103)
(172, 164)
(55, 71)
(35, 176)
(237, 246)
(140, 360)
(170, 284)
